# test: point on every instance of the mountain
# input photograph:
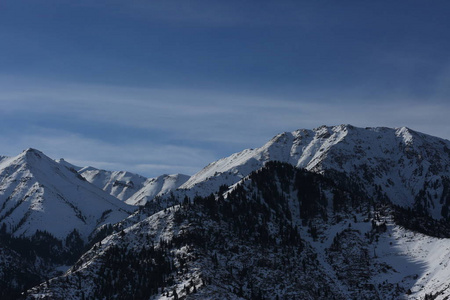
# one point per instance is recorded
(38, 194)
(280, 233)
(120, 184)
(331, 213)
(155, 187)
(408, 167)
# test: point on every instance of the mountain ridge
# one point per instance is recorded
(120, 184)
(364, 153)
(157, 187)
(336, 212)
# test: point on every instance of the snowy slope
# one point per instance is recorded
(37, 193)
(400, 162)
(428, 258)
(157, 187)
(120, 184)
(399, 261)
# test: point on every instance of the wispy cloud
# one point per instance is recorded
(183, 130)
(200, 116)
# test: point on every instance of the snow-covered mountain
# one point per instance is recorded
(131, 188)
(120, 184)
(157, 186)
(400, 162)
(279, 233)
(37, 193)
(330, 213)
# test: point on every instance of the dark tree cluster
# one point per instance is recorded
(16, 275)
(45, 246)
(419, 221)
(445, 198)
(38, 251)
(127, 274)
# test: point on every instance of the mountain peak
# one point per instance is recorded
(406, 133)
(31, 159)
(31, 152)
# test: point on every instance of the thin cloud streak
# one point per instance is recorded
(193, 114)
(179, 123)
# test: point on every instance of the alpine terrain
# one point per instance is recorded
(331, 213)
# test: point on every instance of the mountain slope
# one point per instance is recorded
(37, 193)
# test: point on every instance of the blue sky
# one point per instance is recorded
(168, 86)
